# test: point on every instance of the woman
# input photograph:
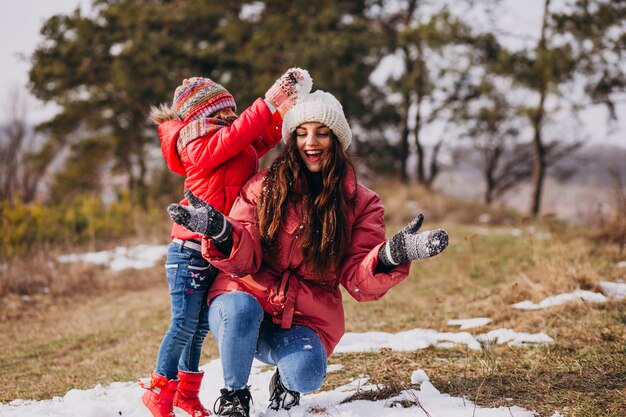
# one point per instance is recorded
(297, 231)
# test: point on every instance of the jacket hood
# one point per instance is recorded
(168, 134)
(163, 113)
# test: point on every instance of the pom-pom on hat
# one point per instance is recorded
(199, 98)
(322, 107)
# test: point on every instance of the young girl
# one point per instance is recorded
(298, 231)
(203, 139)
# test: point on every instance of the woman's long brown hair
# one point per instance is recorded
(325, 235)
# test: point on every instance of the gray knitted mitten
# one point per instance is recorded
(408, 244)
(200, 217)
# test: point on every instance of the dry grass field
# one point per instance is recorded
(94, 326)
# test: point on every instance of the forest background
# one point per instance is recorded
(442, 105)
(429, 88)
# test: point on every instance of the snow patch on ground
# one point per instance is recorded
(614, 289)
(469, 323)
(334, 367)
(403, 341)
(589, 296)
(120, 258)
(124, 399)
(512, 338)
(422, 338)
(419, 376)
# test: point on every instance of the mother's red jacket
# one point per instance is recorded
(286, 288)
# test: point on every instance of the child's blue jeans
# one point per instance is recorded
(243, 332)
(189, 276)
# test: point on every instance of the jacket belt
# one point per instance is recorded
(289, 290)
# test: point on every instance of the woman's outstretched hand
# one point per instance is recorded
(200, 217)
(409, 244)
(294, 84)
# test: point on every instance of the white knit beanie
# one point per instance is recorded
(322, 107)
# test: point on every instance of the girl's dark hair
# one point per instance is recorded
(325, 214)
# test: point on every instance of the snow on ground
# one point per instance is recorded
(589, 296)
(422, 338)
(621, 264)
(124, 399)
(532, 231)
(403, 341)
(614, 289)
(469, 323)
(120, 258)
(512, 338)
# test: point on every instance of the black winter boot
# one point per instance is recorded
(233, 403)
(280, 396)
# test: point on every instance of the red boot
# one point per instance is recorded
(187, 394)
(159, 397)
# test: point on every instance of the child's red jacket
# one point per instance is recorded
(218, 164)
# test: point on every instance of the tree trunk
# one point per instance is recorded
(13, 135)
(539, 160)
(138, 149)
(488, 196)
(419, 148)
(433, 170)
(404, 138)
(29, 183)
(420, 87)
(539, 151)
(406, 106)
(138, 175)
(489, 170)
(406, 93)
(142, 188)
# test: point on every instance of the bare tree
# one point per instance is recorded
(22, 165)
(493, 126)
(422, 33)
(12, 138)
(583, 40)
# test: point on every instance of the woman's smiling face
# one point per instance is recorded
(313, 139)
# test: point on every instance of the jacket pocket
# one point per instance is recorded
(171, 272)
(292, 220)
(200, 277)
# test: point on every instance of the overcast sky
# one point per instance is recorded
(21, 20)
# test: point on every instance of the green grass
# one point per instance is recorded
(95, 326)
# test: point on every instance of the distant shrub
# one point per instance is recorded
(85, 218)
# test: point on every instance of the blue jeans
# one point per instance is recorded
(243, 332)
(189, 276)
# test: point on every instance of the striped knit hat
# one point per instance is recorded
(199, 98)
